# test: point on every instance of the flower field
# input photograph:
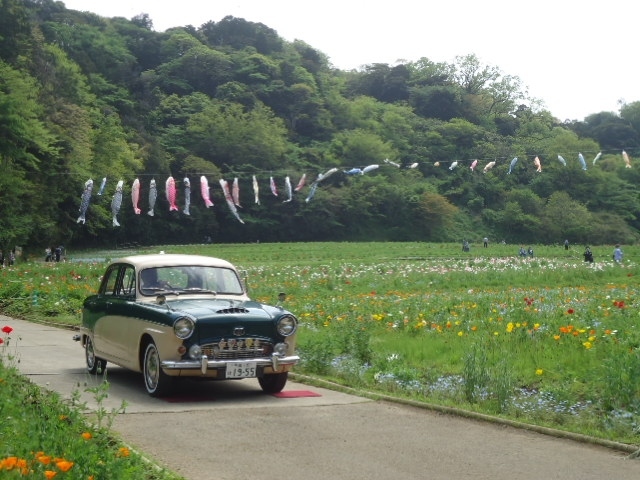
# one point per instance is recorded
(548, 340)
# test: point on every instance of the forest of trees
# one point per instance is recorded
(86, 97)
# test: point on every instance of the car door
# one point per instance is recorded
(97, 311)
(121, 325)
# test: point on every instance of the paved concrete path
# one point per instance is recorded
(231, 430)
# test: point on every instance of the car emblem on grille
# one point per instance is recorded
(237, 331)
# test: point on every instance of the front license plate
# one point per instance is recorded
(241, 370)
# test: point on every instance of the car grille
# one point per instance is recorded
(237, 349)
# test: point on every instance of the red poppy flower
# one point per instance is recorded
(570, 311)
(7, 329)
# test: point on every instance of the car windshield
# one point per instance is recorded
(189, 279)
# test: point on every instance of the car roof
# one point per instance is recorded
(172, 259)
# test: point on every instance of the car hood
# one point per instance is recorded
(218, 319)
(207, 308)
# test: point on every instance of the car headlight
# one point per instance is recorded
(183, 327)
(287, 325)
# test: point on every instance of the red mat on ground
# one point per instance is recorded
(296, 394)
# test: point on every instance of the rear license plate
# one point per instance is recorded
(241, 370)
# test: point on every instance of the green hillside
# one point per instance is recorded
(413, 151)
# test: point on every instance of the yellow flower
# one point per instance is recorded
(587, 345)
(539, 371)
(556, 337)
(510, 327)
(460, 334)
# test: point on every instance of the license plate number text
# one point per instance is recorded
(241, 370)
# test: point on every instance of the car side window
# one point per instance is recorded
(128, 284)
(110, 280)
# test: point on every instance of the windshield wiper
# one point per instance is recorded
(159, 291)
(198, 290)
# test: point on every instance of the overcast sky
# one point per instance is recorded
(577, 57)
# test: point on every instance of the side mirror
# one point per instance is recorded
(281, 298)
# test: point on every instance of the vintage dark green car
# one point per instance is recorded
(170, 316)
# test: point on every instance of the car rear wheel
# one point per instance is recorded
(273, 383)
(95, 365)
(156, 381)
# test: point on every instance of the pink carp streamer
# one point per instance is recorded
(204, 191)
(135, 196)
(171, 193)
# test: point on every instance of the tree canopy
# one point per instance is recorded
(455, 150)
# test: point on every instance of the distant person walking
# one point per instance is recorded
(617, 254)
(485, 241)
(566, 244)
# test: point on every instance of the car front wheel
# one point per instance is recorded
(156, 381)
(95, 365)
(273, 383)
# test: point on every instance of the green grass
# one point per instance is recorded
(44, 436)
(549, 340)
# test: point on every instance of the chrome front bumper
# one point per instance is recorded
(206, 363)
